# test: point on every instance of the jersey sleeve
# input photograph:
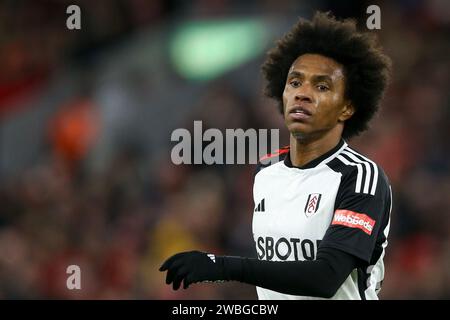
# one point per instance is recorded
(361, 215)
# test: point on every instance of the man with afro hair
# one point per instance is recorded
(322, 210)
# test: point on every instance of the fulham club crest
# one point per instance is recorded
(312, 204)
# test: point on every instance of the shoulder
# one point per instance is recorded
(270, 159)
(360, 173)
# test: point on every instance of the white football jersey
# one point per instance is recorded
(341, 200)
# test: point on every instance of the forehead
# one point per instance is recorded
(317, 64)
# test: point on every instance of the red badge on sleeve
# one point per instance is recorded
(354, 220)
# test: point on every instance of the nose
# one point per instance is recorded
(303, 97)
(303, 93)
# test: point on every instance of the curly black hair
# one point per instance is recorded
(366, 68)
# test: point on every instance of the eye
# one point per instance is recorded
(322, 87)
(295, 83)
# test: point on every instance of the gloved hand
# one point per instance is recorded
(192, 267)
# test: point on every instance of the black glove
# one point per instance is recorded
(192, 267)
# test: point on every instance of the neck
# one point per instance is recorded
(304, 150)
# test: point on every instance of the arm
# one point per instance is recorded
(321, 277)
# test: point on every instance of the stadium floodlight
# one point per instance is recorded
(203, 50)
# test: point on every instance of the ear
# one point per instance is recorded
(347, 111)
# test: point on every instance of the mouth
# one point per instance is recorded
(299, 113)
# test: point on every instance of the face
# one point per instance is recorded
(313, 97)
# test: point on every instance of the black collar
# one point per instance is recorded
(316, 161)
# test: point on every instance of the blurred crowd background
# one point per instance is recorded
(85, 123)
